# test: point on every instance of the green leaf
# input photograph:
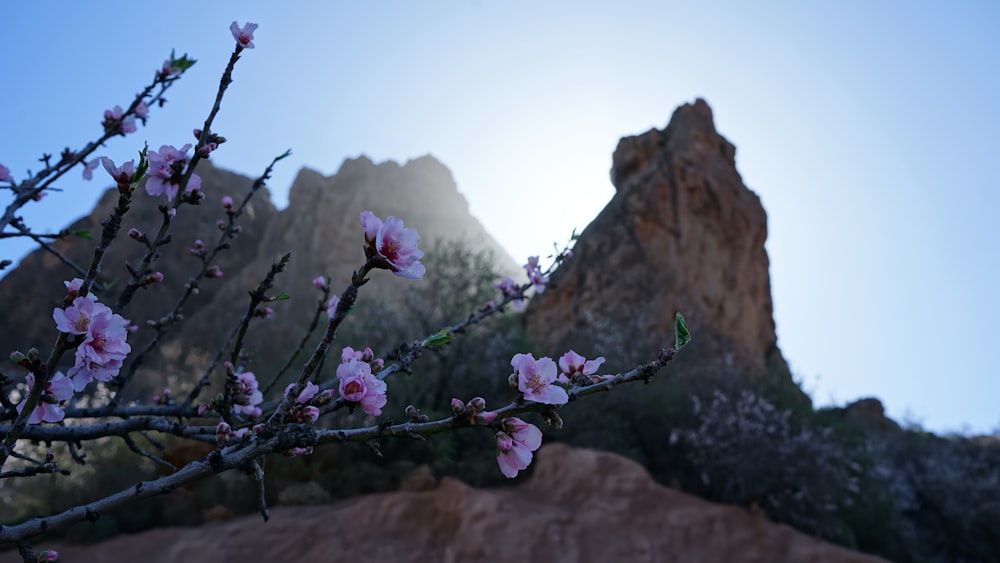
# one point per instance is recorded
(182, 63)
(443, 336)
(84, 234)
(681, 332)
(280, 297)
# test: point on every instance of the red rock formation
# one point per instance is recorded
(578, 505)
(682, 233)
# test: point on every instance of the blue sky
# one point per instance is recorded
(868, 129)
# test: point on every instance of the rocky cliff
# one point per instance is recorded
(682, 233)
(320, 227)
(579, 505)
(35, 287)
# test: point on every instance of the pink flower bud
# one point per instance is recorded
(213, 272)
(484, 418)
(136, 234)
(319, 282)
(223, 432)
(202, 409)
(227, 203)
(47, 556)
(457, 406)
(478, 404)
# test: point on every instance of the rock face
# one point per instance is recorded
(320, 228)
(579, 505)
(682, 233)
(35, 287)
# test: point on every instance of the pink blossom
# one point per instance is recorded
(115, 123)
(358, 385)
(331, 306)
(142, 110)
(394, 244)
(59, 388)
(572, 364)
(105, 338)
(515, 442)
(535, 380)
(247, 395)
(244, 35)
(5, 174)
(123, 174)
(167, 168)
(88, 168)
(308, 393)
(73, 287)
(76, 318)
(532, 264)
(86, 370)
(319, 282)
(539, 281)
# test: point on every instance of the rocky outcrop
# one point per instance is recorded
(35, 287)
(320, 228)
(578, 505)
(682, 233)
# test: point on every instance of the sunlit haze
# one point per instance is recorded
(869, 131)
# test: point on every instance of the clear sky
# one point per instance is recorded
(868, 129)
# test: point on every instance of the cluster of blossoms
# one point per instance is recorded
(100, 354)
(246, 395)
(357, 382)
(167, 168)
(393, 245)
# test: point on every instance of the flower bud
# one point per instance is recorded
(202, 409)
(308, 414)
(484, 418)
(47, 556)
(377, 364)
(227, 203)
(512, 381)
(319, 282)
(213, 272)
(367, 356)
(223, 432)
(197, 134)
(136, 234)
(411, 411)
(457, 407)
(478, 404)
